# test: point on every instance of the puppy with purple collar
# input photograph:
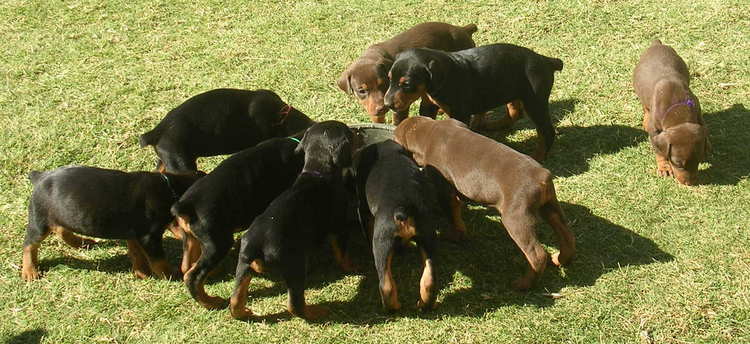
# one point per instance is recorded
(671, 113)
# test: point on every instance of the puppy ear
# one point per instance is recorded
(301, 145)
(383, 67)
(435, 72)
(344, 82)
(661, 143)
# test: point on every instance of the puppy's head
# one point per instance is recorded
(412, 75)
(368, 81)
(329, 145)
(685, 145)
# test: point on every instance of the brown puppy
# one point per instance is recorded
(671, 113)
(493, 174)
(367, 77)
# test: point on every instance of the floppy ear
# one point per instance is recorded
(383, 67)
(435, 72)
(661, 143)
(301, 145)
(342, 154)
(344, 82)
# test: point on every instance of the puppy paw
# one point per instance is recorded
(214, 302)
(241, 313)
(315, 312)
(424, 306)
(30, 274)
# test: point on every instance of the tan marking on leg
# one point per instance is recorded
(258, 266)
(72, 239)
(552, 213)
(205, 300)
(238, 301)
(177, 232)
(458, 232)
(646, 117)
(138, 258)
(161, 268)
(191, 246)
(389, 291)
(29, 271)
(540, 153)
(341, 259)
(426, 283)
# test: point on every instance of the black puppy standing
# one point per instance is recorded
(314, 208)
(226, 201)
(472, 81)
(105, 204)
(400, 202)
(221, 121)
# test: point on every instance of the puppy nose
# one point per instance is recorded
(381, 108)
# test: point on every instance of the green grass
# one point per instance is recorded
(657, 262)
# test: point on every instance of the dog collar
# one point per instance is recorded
(294, 139)
(285, 110)
(687, 102)
(315, 174)
(169, 185)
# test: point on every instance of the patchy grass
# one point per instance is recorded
(658, 262)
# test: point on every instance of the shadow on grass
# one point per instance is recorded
(475, 275)
(574, 145)
(729, 135)
(28, 337)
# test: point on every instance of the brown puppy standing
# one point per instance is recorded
(367, 77)
(493, 174)
(671, 113)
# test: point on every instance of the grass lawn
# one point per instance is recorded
(657, 262)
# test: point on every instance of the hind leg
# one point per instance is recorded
(71, 239)
(519, 222)
(238, 301)
(552, 213)
(138, 259)
(34, 236)
(293, 270)
(538, 111)
(152, 247)
(213, 250)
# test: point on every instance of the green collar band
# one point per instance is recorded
(294, 139)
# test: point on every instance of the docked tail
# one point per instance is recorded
(150, 137)
(470, 29)
(35, 176)
(556, 64)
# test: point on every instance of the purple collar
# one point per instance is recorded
(688, 102)
(315, 174)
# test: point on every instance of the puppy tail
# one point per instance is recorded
(470, 29)
(557, 64)
(149, 138)
(35, 176)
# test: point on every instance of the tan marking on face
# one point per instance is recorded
(402, 100)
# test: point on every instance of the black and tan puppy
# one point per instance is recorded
(671, 113)
(367, 79)
(226, 201)
(402, 203)
(106, 204)
(312, 209)
(473, 81)
(221, 121)
(495, 175)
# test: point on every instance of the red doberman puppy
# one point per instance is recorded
(366, 77)
(671, 113)
(468, 83)
(493, 174)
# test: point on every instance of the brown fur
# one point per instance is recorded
(493, 174)
(366, 76)
(671, 113)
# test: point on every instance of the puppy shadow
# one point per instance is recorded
(117, 263)
(729, 136)
(28, 337)
(474, 276)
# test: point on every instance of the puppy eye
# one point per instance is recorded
(362, 91)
